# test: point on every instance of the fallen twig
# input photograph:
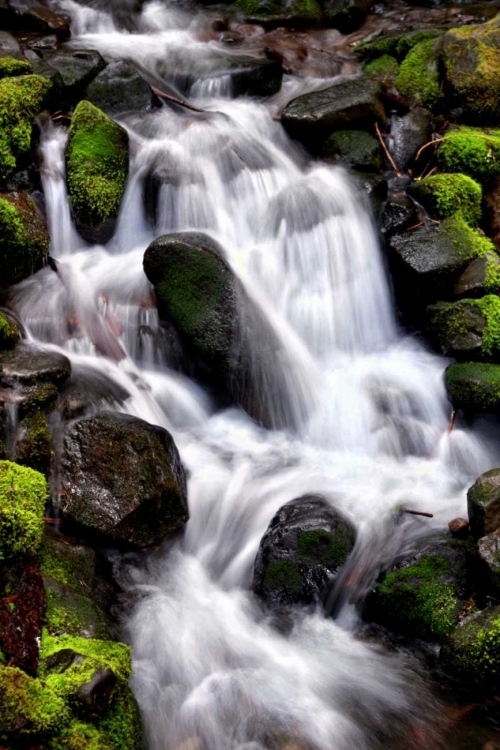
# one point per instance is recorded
(415, 226)
(451, 423)
(386, 150)
(175, 100)
(429, 143)
(416, 512)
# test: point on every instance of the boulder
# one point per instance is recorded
(481, 277)
(97, 154)
(471, 151)
(418, 76)
(122, 479)
(11, 67)
(46, 21)
(384, 69)
(445, 195)
(9, 332)
(119, 88)
(76, 67)
(9, 46)
(471, 56)
(24, 240)
(472, 653)
(397, 216)
(409, 133)
(468, 329)
(374, 187)
(29, 709)
(394, 45)
(23, 493)
(302, 551)
(29, 365)
(346, 15)
(423, 595)
(474, 387)
(459, 528)
(354, 149)
(483, 504)
(350, 103)
(279, 12)
(489, 553)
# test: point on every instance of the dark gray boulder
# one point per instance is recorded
(481, 277)
(119, 88)
(489, 554)
(354, 149)
(77, 68)
(410, 132)
(483, 503)
(397, 216)
(28, 365)
(302, 551)
(122, 479)
(460, 329)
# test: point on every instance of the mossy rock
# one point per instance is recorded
(418, 76)
(97, 169)
(471, 56)
(29, 366)
(483, 503)
(279, 11)
(444, 195)
(468, 329)
(21, 99)
(23, 493)
(471, 151)
(9, 332)
(24, 240)
(29, 710)
(395, 45)
(481, 277)
(384, 68)
(33, 444)
(474, 387)
(10, 67)
(354, 149)
(472, 653)
(423, 595)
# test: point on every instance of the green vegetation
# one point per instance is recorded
(465, 239)
(9, 67)
(282, 575)
(9, 332)
(23, 493)
(492, 278)
(472, 151)
(321, 548)
(444, 195)
(472, 653)
(396, 46)
(24, 241)
(490, 309)
(33, 447)
(418, 77)
(474, 386)
(28, 708)
(304, 10)
(384, 66)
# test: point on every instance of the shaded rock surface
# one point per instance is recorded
(119, 88)
(489, 553)
(474, 387)
(409, 133)
(481, 277)
(29, 365)
(77, 68)
(354, 149)
(24, 240)
(483, 504)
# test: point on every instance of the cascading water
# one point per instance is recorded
(210, 669)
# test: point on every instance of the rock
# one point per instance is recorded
(374, 186)
(474, 387)
(483, 504)
(33, 443)
(471, 56)
(423, 594)
(119, 88)
(427, 261)
(444, 195)
(8, 15)
(489, 552)
(29, 365)
(97, 168)
(409, 133)
(354, 149)
(468, 329)
(9, 332)
(21, 99)
(346, 15)
(45, 43)
(395, 45)
(122, 479)
(249, 75)
(459, 528)
(29, 709)
(471, 151)
(492, 210)
(279, 12)
(472, 653)
(46, 21)
(384, 69)
(24, 240)
(397, 216)
(302, 551)
(23, 493)
(11, 66)
(418, 76)
(9, 46)
(351, 103)
(77, 68)
(95, 694)
(481, 277)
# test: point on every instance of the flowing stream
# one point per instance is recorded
(211, 670)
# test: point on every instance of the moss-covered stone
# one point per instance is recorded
(97, 170)
(354, 149)
(11, 66)
(395, 45)
(24, 240)
(468, 329)
(483, 503)
(9, 332)
(21, 99)
(385, 67)
(29, 710)
(472, 653)
(418, 77)
(471, 151)
(33, 445)
(474, 387)
(23, 493)
(471, 56)
(279, 10)
(444, 195)
(481, 277)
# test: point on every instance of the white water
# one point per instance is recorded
(210, 669)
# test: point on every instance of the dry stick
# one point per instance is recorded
(415, 226)
(417, 513)
(174, 100)
(451, 423)
(386, 150)
(429, 143)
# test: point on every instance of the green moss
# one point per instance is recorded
(121, 727)
(466, 240)
(490, 309)
(28, 708)
(419, 600)
(24, 241)
(96, 164)
(384, 66)
(445, 195)
(23, 493)
(397, 46)
(304, 10)
(21, 99)
(33, 448)
(492, 277)
(474, 386)
(9, 332)
(9, 66)
(322, 548)
(472, 151)
(80, 736)
(473, 651)
(418, 77)
(110, 654)
(282, 575)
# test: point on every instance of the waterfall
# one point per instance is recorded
(210, 669)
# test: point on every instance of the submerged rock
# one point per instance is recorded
(302, 551)
(119, 88)
(122, 479)
(474, 387)
(468, 329)
(483, 503)
(97, 170)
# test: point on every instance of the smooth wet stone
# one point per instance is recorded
(28, 365)
(302, 552)
(397, 216)
(481, 277)
(119, 88)
(474, 387)
(459, 528)
(77, 68)
(483, 503)
(353, 149)
(46, 21)
(95, 694)
(374, 186)
(9, 46)
(122, 479)
(409, 132)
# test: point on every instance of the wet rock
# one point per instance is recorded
(396, 45)
(77, 68)
(46, 21)
(474, 387)
(29, 365)
(97, 155)
(9, 332)
(21, 625)
(397, 216)
(472, 653)
(471, 56)
(489, 553)
(119, 88)
(279, 12)
(9, 46)
(95, 694)
(33, 443)
(122, 479)
(302, 551)
(467, 329)
(418, 78)
(423, 594)
(471, 151)
(374, 186)
(481, 277)
(483, 504)
(353, 149)
(346, 15)
(444, 195)
(492, 210)
(409, 133)
(24, 240)
(459, 528)
(45, 43)
(249, 75)
(351, 103)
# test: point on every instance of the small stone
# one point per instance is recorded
(96, 693)
(459, 528)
